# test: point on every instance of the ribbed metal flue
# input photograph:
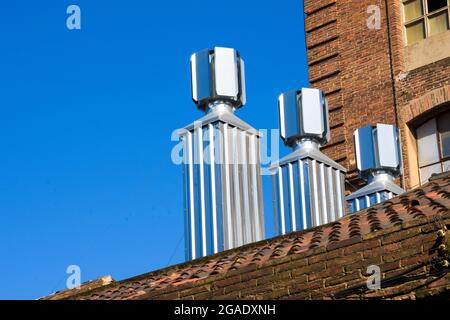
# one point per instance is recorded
(308, 193)
(222, 179)
(381, 187)
(378, 159)
(308, 186)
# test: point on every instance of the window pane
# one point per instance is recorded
(415, 32)
(413, 10)
(427, 143)
(446, 166)
(439, 23)
(426, 172)
(444, 129)
(434, 5)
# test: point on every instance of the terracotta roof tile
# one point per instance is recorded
(430, 200)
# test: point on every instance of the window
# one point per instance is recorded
(425, 18)
(433, 145)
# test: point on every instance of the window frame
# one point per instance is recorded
(425, 17)
(437, 134)
(441, 146)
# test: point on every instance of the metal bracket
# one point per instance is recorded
(444, 247)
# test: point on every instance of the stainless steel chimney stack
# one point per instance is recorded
(308, 186)
(222, 180)
(378, 159)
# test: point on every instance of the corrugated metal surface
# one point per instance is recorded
(308, 193)
(381, 187)
(223, 201)
(366, 201)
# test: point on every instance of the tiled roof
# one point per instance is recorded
(320, 254)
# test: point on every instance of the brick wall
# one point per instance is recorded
(321, 272)
(357, 68)
(421, 92)
(350, 62)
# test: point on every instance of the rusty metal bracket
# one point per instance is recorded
(444, 247)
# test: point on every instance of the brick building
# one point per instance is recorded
(395, 72)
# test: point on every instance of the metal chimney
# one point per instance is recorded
(308, 186)
(222, 180)
(377, 150)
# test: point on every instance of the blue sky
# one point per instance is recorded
(86, 118)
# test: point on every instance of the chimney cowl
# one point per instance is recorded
(378, 159)
(218, 78)
(304, 117)
(377, 151)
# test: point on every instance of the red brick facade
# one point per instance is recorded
(362, 70)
